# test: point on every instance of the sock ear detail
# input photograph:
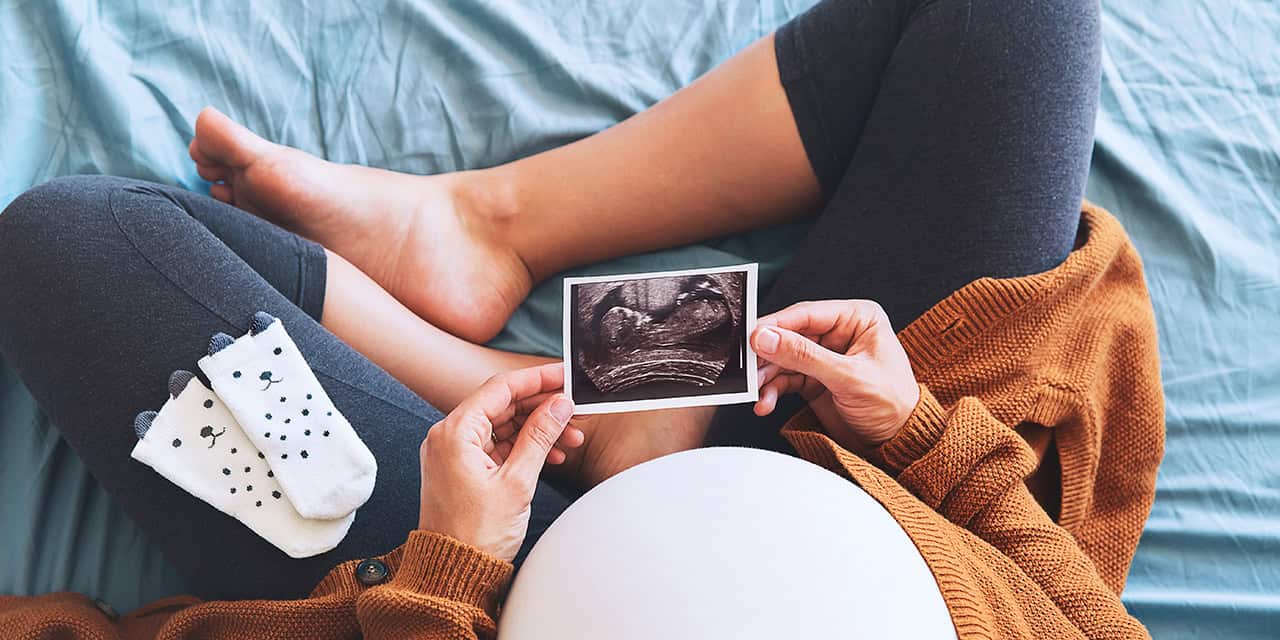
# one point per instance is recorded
(269, 388)
(261, 320)
(219, 341)
(178, 381)
(142, 423)
(195, 442)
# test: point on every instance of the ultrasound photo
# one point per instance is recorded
(660, 340)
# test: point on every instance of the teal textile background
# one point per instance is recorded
(1188, 156)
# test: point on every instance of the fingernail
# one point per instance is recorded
(767, 340)
(562, 410)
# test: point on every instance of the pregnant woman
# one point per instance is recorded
(1000, 396)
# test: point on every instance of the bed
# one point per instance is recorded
(1188, 156)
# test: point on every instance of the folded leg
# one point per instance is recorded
(109, 285)
(952, 141)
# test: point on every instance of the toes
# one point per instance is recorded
(178, 381)
(224, 141)
(211, 173)
(196, 154)
(222, 193)
(205, 166)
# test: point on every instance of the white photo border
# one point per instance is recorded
(752, 393)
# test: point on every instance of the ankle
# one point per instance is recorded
(495, 202)
(484, 195)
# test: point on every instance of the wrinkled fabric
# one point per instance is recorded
(1187, 156)
(418, 86)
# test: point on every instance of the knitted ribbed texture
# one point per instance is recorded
(1072, 350)
(439, 589)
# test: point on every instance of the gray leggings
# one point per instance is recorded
(951, 139)
(110, 284)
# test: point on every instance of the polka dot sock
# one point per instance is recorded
(196, 443)
(325, 469)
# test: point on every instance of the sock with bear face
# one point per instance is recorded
(196, 443)
(323, 466)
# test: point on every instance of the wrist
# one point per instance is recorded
(501, 544)
(897, 416)
(923, 429)
(437, 564)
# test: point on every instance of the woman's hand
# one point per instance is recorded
(844, 358)
(481, 463)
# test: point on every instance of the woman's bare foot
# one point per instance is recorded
(414, 235)
(615, 442)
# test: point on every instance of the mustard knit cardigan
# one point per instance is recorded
(1011, 370)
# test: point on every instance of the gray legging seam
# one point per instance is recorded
(111, 208)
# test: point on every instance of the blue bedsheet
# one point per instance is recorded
(1188, 156)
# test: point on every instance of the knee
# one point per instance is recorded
(40, 224)
(54, 213)
(66, 194)
(59, 198)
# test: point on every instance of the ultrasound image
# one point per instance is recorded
(676, 335)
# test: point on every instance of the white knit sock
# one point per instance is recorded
(196, 443)
(324, 468)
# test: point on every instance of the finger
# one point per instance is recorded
(773, 391)
(767, 402)
(469, 431)
(497, 397)
(788, 383)
(537, 437)
(500, 452)
(768, 372)
(793, 351)
(572, 438)
(556, 456)
(834, 323)
(505, 432)
(526, 406)
(762, 361)
(807, 317)
(503, 449)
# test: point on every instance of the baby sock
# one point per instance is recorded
(196, 443)
(324, 468)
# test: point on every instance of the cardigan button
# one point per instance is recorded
(106, 609)
(371, 572)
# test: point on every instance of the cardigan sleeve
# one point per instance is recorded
(969, 468)
(440, 589)
(444, 589)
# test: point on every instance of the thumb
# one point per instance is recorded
(540, 432)
(790, 350)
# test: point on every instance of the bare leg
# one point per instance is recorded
(438, 366)
(374, 323)
(462, 250)
(720, 156)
